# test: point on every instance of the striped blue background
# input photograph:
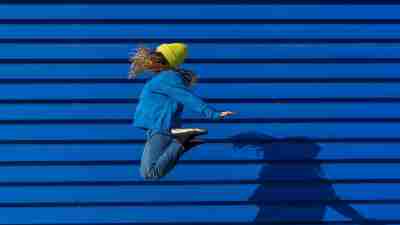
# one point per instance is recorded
(316, 137)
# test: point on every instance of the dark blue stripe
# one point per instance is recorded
(204, 60)
(244, 120)
(291, 222)
(206, 140)
(349, 79)
(198, 21)
(198, 182)
(214, 100)
(194, 162)
(297, 203)
(197, 40)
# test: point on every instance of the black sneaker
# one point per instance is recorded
(190, 144)
(184, 134)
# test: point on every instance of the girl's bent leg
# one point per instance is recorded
(160, 155)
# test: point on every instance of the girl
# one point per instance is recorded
(160, 105)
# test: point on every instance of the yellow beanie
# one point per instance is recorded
(174, 53)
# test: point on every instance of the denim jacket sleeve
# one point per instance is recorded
(174, 87)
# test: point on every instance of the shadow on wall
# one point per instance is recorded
(300, 148)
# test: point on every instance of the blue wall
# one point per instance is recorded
(316, 138)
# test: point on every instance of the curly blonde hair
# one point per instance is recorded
(144, 59)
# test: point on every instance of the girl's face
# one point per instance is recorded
(156, 63)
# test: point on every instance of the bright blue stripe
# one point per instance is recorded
(200, 11)
(327, 151)
(329, 31)
(191, 193)
(131, 214)
(215, 131)
(132, 90)
(267, 172)
(126, 111)
(188, 214)
(209, 51)
(120, 71)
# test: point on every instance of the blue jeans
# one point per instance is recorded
(160, 155)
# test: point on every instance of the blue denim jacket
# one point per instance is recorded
(162, 100)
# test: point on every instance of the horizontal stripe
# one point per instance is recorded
(215, 131)
(201, 80)
(203, 60)
(166, 183)
(212, 91)
(272, 111)
(142, 141)
(331, 222)
(305, 162)
(118, 53)
(186, 214)
(241, 101)
(206, 71)
(194, 10)
(248, 120)
(196, 40)
(203, 31)
(221, 172)
(206, 153)
(197, 21)
(187, 194)
(138, 2)
(276, 203)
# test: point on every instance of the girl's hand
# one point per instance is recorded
(226, 113)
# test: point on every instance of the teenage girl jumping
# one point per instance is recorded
(160, 106)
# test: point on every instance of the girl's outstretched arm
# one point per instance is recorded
(175, 88)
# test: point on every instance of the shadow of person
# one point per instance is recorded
(296, 148)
